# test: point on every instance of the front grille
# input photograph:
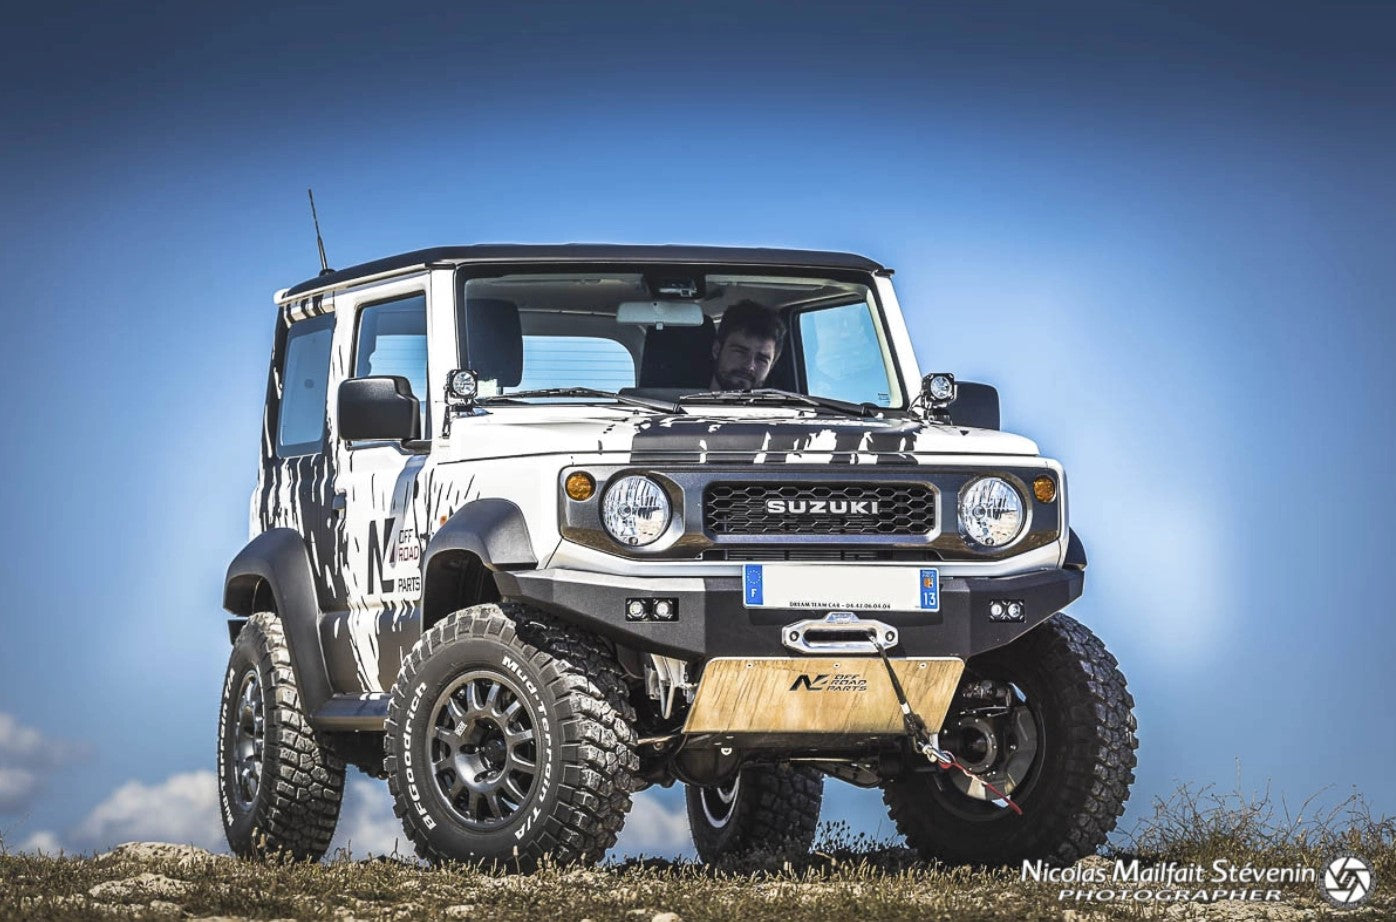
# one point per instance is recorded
(902, 509)
(816, 554)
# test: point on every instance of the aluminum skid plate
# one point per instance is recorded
(819, 694)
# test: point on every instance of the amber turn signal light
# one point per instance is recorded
(580, 486)
(1045, 489)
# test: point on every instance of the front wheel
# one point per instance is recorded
(1047, 720)
(763, 808)
(510, 736)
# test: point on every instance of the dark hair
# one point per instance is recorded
(754, 320)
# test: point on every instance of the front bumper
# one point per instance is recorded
(713, 622)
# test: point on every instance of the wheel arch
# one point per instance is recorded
(482, 537)
(273, 573)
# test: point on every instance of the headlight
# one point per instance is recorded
(635, 511)
(991, 512)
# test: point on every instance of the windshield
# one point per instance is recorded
(667, 334)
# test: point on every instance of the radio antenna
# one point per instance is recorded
(319, 242)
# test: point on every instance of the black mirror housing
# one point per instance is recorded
(976, 405)
(379, 408)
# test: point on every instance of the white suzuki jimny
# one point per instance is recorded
(539, 526)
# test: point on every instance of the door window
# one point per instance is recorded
(393, 341)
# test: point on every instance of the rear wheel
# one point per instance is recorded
(762, 808)
(279, 783)
(1047, 720)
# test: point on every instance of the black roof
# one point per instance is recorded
(594, 252)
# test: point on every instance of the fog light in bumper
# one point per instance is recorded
(1007, 610)
(651, 609)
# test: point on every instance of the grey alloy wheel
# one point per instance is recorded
(484, 749)
(719, 800)
(248, 739)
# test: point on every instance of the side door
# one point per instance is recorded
(382, 330)
(294, 484)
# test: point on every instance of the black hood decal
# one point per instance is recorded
(689, 439)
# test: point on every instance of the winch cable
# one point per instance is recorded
(925, 741)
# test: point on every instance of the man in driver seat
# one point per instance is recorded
(748, 343)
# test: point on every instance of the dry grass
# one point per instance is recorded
(847, 877)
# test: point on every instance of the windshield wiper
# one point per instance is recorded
(661, 405)
(774, 395)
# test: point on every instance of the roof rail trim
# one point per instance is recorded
(574, 252)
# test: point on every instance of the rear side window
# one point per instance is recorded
(300, 429)
(393, 341)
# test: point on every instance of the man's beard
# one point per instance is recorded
(736, 381)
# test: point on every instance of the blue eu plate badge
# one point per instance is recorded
(751, 585)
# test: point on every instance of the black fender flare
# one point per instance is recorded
(1075, 552)
(491, 530)
(277, 558)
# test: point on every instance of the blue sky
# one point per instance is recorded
(1163, 231)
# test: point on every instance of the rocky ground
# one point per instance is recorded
(169, 882)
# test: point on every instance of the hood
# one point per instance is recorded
(744, 437)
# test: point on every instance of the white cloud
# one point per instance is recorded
(41, 841)
(17, 788)
(657, 826)
(367, 825)
(182, 809)
(27, 758)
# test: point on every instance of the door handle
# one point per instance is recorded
(338, 501)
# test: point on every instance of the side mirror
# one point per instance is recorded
(977, 405)
(379, 408)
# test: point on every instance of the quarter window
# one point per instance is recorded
(300, 428)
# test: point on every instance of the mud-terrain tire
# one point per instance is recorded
(765, 808)
(1076, 786)
(279, 784)
(510, 736)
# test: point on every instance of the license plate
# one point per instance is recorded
(840, 588)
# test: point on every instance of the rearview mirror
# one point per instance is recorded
(659, 314)
(378, 408)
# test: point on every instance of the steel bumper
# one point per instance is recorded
(711, 620)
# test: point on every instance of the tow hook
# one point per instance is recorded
(928, 743)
